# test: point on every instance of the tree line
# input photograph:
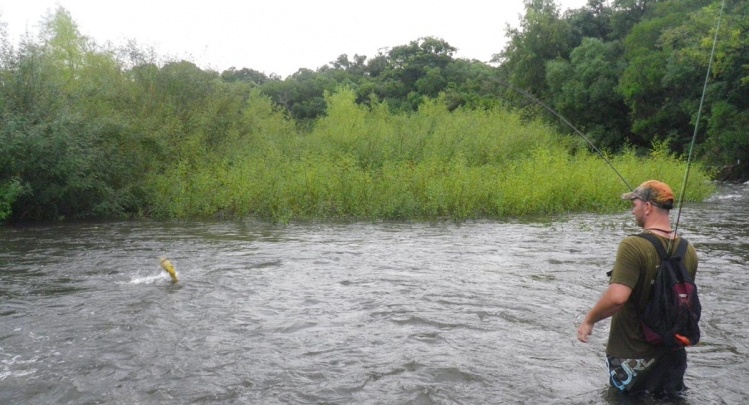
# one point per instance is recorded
(94, 131)
(627, 73)
(631, 72)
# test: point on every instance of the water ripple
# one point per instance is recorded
(479, 312)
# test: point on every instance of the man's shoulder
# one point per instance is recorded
(635, 242)
(633, 257)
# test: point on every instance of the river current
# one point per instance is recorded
(479, 312)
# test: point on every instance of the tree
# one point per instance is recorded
(726, 146)
(302, 93)
(584, 89)
(49, 147)
(401, 77)
(628, 13)
(660, 87)
(413, 71)
(592, 21)
(543, 36)
(246, 75)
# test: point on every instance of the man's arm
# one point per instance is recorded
(611, 302)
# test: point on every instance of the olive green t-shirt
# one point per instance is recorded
(636, 266)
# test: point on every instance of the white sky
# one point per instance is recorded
(278, 36)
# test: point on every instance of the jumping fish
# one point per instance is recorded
(167, 265)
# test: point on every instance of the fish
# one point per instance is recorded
(169, 267)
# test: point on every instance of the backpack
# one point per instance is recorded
(672, 313)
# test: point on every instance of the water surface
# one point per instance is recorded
(422, 313)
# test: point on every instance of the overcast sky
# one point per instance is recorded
(278, 36)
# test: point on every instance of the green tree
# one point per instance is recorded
(302, 93)
(246, 75)
(542, 36)
(46, 144)
(584, 89)
(413, 71)
(661, 88)
(9, 192)
(63, 138)
(472, 84)
(726, 118)
(628, 13)
(592, 21)
(402, 77)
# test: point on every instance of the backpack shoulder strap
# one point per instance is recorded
(681, 249)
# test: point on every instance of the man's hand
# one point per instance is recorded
(611, 302)
(584, 331)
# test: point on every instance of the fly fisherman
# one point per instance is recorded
(636, 366)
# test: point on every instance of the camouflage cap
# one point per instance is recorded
(654, 192)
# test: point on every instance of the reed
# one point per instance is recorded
(367, 163)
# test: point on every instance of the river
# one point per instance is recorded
(477, 312)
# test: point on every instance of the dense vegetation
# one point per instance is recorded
(91, 131)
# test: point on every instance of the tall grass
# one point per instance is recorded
(367, 163)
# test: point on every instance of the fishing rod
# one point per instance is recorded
(697, 123)
(561, 117)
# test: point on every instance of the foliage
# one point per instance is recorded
(657, 85)
(542, 36)
(246, 75)
(401, 76)
(96, 132)
(727, 117)
(9, 192)
(53, 142)
(80, 133)
(630, 72)
(585, 88)
(363, 162)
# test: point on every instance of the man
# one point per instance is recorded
(636, 366)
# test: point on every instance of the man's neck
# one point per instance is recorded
(662, 228)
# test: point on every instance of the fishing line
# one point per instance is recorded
(558, 115)
(697, 123)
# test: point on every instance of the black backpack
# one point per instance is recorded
(672, 313)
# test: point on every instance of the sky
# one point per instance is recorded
(278, 36)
